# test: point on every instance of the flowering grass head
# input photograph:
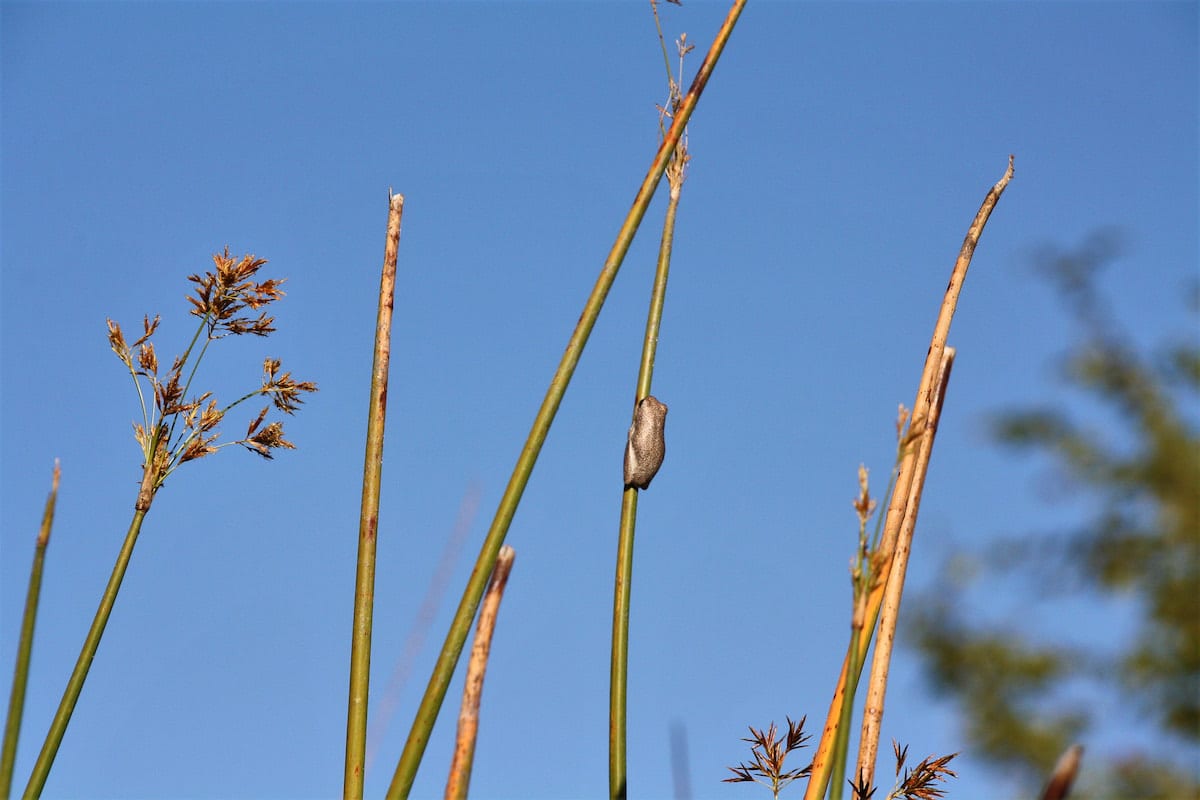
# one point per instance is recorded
(180, 426)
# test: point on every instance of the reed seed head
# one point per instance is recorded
(182, 430)
(226, 291)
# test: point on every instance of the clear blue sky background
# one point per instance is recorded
(838, 155)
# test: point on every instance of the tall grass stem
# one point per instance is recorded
(368, 521)
(841, 744)
(439, 681)
(889, 614)
(16, 699)
(821, 768)
(58, 726)
(623, 581)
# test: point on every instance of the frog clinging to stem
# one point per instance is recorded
(646, 446)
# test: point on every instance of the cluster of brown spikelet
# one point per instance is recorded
(182, 429)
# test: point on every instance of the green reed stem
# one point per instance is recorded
(58, 726)
(16, 700)
(623, 582)
(368, 522)
(439, 681)
(841, 744)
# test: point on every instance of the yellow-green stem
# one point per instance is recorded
(439, 681)
(58, 726)
(368, 522)
(16, 700)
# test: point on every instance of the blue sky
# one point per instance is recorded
(838, 155)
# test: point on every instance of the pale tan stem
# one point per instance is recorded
(1059, 785)
(468, 715)
(904, 475)
(889, 612)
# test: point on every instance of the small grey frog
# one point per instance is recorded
(646, 446)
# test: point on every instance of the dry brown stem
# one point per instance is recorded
(468, 715)
(904, 477)
(1059, 785)
(889, 613)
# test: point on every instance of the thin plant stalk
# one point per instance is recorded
(220, 297)
(468, 715)
(619, 668)
(439, 681)
(16, 700)
(623, 581)
(889, 614)
(842, 741)
(58, 726)
(91, 643)
(864, 577)
(821, 769)
(368, 521)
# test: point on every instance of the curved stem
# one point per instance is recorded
(821, 766)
